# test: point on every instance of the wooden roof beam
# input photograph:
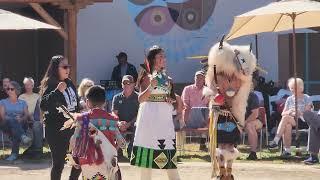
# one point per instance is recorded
(49, 19)
(45, 1)
(29, 1)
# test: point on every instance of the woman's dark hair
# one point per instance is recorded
(151, 56)
(51, 76)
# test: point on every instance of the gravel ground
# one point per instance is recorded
(188, 171)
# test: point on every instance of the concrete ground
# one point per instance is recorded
(188, 171)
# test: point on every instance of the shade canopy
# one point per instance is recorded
(12, 21)
(275, 17)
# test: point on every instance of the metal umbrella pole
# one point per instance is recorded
(294, 43)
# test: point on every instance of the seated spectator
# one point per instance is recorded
(177, 114)
(275, 117)
(5, 83)
(179, 123)
(123, 68)
(288, 116)
(14, 114)
(195, 113)
(313, 120)
(252, 124)
(84, 85)
(260, 98)
(126, 105)
(32, 100)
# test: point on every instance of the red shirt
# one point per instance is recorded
(193, 97)
(97, 116)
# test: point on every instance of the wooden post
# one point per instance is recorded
(72, 42)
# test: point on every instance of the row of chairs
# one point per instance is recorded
(189, 133)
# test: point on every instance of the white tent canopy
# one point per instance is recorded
(12, 21)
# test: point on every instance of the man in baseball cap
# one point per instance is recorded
(126, 105)
(127, 79)
(123, 68)
(195, 114)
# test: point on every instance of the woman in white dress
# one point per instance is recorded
(154, 144)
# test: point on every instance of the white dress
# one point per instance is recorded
(155, 143)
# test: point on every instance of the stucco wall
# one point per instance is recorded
(105, 29)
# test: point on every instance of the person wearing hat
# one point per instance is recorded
(123, 68)
(195, 113)
(126, 105)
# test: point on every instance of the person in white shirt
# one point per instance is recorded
(32, 100)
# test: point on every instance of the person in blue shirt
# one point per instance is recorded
(13, 116)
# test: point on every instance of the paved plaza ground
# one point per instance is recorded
(187, 170)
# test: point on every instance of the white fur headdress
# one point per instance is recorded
(237, 60)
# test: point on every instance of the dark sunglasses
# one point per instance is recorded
(66, 66)
(10, 89)
(126, 83)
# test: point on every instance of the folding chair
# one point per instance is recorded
(186, 133)
(262, 117)
(181, 136)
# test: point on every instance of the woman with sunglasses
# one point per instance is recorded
(154, 145)
(14, 114)
(57, 89)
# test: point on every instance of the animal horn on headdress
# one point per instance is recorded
(221, 42)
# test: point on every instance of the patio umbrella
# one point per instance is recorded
(275, 17)
(12, 21)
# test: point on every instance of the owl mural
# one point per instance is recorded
(180, 26)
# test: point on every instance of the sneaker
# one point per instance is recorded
(25, 139)
(252, 156)
(32, 153)
(203, 147)
(12, 157)
(272, 145)
(311, 160)
(285, 154)
(298, 153)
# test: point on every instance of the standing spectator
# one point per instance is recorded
(126, 105)
(252, 124)
(14, 114)
(5, 83)
(57, 89)
(195, 114)
(32, 100)
(84, 85)
(288, 116)
(313, 121)
(123, 68)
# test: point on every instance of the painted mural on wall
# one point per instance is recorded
(182, 27)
